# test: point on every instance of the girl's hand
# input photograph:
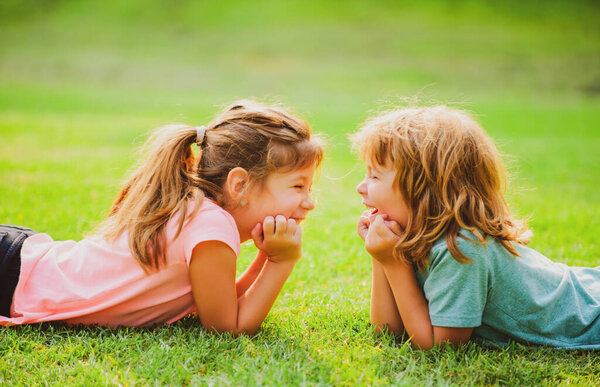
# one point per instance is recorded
(381, 237)
(279, 238)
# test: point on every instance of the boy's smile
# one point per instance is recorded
(378, 192)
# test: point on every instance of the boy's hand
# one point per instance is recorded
(279, 238)
(381, 237)
(363, 224)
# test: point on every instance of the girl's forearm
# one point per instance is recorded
(255, 303)
(384, 312)
(411, 303)
(247, 278)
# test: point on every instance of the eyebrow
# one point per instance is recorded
(374, 168)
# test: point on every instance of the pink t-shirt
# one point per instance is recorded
(96, 282)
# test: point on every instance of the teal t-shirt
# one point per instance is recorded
(528, 299)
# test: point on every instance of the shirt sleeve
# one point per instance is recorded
(211, 225)
(456, 292)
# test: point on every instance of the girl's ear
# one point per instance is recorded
(237, 183)
(189, 162)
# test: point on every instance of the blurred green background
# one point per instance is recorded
(83, 82)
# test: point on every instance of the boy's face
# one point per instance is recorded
(378, 192)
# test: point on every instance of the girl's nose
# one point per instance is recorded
(361, 188)
(308, 203)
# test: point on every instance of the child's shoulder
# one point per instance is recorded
(206, 220)
(205, 210)
(465, 240)
(208, 205)
(469, 245)
(202, 215)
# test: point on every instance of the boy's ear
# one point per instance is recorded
(237, 182)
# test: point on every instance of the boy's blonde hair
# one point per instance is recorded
(450, 175)
(257, 137)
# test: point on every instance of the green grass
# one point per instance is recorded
(283, 354)
(82, 83)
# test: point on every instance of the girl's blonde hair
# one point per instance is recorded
(450, 175)
(259, 138)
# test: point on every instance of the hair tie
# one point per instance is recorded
(200, 132)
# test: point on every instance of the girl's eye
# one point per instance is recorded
(299, 186)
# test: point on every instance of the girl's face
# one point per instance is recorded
(282, 193)
(378, 192)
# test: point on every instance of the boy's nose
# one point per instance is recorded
(361, 188)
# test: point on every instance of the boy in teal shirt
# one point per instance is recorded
(449, 260)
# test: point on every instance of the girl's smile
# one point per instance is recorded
(282, 193)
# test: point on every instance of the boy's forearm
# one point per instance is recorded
(411, 303)
(384, 312)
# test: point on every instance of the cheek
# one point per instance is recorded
(283, 203)
(402, 212)
(293, 201)
(379, 193)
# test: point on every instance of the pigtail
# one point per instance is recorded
(161, 186)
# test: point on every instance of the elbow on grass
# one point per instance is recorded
(422, 346)
(233, 331)
(386, 328)
(425, 345)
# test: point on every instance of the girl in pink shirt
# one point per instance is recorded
(169, 245)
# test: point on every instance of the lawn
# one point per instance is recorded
(82, 83)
